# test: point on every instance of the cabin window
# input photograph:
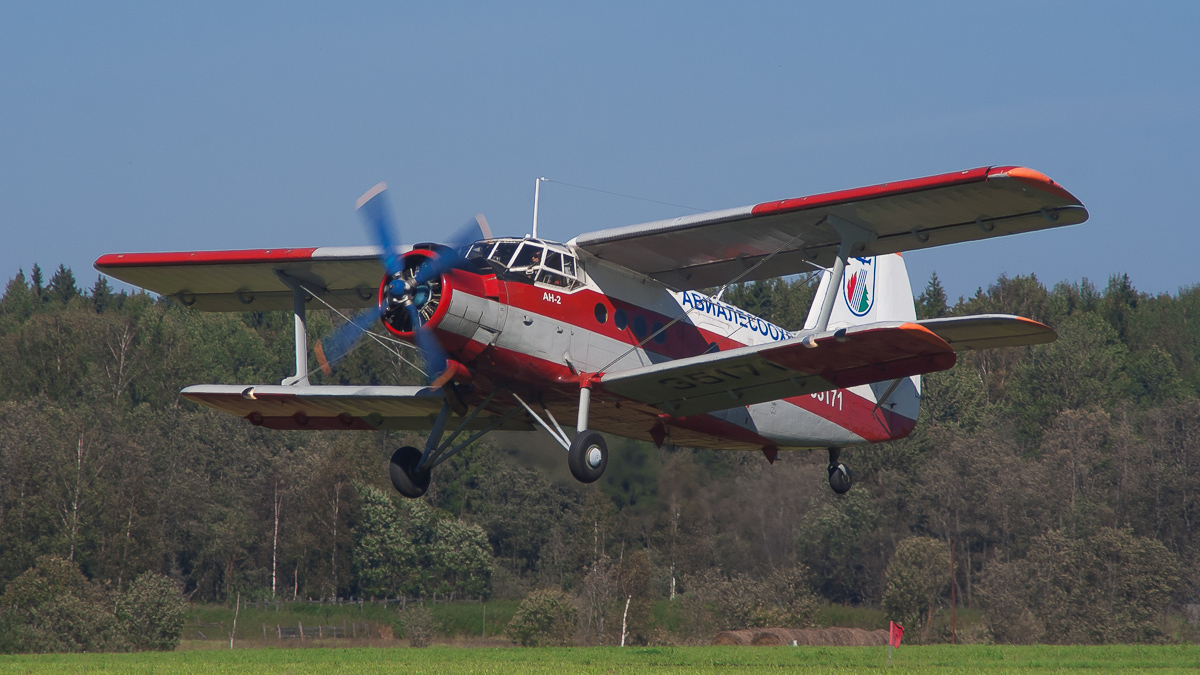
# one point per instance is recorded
(601, 313)
(621, 319)
(639, 326)
(660, 335)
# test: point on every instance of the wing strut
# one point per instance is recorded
(852, 236)
(301, 332)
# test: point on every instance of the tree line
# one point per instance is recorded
(1059, 475)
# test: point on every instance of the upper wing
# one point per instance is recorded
(988, 331)
(239, 281)
(332, 407)
(837, 359)
(710, 249)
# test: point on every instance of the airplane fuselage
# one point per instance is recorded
(539, 333)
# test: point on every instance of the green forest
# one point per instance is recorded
(1064, 479)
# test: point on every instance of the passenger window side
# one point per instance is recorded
(552, 279)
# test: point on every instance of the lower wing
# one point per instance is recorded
(323, 408)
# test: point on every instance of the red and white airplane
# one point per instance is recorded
(613, 330)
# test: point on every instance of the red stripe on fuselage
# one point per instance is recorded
(856, 414)
(577, 308)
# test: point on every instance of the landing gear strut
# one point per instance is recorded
(840, 478)
(410, 468)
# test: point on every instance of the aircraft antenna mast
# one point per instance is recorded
(537, 186)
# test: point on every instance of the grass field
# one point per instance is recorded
(440, 659)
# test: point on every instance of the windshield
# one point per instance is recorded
(530, 255)
(479, 249)
(504, 252)
(532, 259)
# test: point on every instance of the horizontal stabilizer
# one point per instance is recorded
(803, 365)
(989, 331)
(323, 408)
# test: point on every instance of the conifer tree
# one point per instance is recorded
(932, 302)
(101, 294)
(62, 285)
(35, 276)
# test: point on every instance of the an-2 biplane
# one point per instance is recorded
(611, 329)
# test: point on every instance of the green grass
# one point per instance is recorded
(365, 661)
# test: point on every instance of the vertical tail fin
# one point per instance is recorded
(873, 289)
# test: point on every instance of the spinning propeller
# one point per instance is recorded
(411, 291)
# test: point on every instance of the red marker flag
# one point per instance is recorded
(895, 633)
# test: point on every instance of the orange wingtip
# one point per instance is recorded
(926, 334)
(1034, 178)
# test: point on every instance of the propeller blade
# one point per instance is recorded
(372, 206)
(431, 350)
(447, 260)
(344, 339)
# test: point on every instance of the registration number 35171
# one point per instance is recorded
(832, 398)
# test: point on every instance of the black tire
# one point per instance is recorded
(588, 456)
(405, 477)
(840, 478)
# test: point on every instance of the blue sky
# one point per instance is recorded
(135, 127)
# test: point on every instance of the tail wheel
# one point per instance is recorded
(840, 478)
(588, 456)
(405, 477)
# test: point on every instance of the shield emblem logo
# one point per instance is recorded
(858, 289)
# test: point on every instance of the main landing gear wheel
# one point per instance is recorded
(405, 477)
(840, 478)
(588, 456)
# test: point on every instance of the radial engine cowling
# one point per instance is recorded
(451, 304)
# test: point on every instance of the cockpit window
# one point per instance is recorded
(553, 279)
(532, 259)
(530, 255)
(504, 252)
(479, 249)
